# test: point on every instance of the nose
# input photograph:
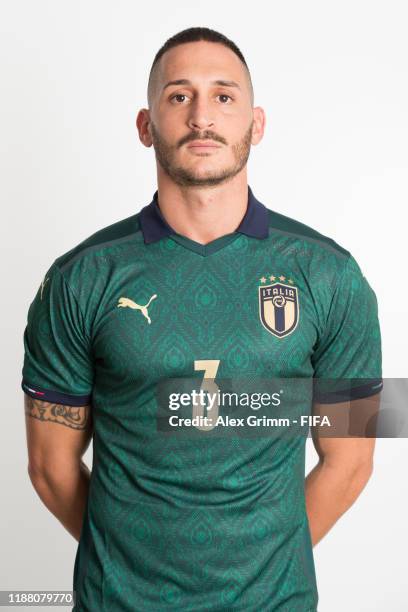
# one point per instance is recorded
(199, 118)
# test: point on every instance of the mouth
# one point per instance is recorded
(203, 144)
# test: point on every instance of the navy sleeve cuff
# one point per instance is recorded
(55, 397)
(348, 393)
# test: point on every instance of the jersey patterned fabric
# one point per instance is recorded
(206, 523)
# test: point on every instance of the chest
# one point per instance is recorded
(158, 321)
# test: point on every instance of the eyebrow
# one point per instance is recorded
(221, 82)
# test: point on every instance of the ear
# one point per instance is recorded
(258, 127)
(142, 124)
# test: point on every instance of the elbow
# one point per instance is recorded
(46, 473)
(358, 479)
(364, 467)
(45, 486)
(36, 474)
(45, 483)
(41, 477)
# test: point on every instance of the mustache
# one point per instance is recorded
(206, 135)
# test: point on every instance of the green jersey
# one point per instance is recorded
(201, 522)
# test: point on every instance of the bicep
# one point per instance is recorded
(56, 432)
(349, 442)
(347, 454)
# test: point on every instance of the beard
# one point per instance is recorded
(185, 177)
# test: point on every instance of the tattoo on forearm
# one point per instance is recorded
(71, 416)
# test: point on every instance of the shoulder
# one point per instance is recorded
(319, 258)
(304, 235)
(102, 242)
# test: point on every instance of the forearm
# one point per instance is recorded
(64, 493)
(330, 490)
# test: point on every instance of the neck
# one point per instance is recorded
(203, 214)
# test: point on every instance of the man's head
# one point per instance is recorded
(188, 36)
(200, 90)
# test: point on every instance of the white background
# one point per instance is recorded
(333, 80)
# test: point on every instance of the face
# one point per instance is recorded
(201, 121)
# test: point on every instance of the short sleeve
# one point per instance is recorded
(348, 354)
(57, 350)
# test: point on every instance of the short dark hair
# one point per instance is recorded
(195, 35)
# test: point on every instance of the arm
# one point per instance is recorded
(344, 467)
(57, 438)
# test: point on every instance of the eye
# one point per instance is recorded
(224, 96)
(177, 97)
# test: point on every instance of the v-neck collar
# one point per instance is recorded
(205, 249)
(155, 227)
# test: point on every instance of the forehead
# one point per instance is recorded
(200, 59)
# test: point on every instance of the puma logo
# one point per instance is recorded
(126, 302)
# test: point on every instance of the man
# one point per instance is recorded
(207, 284)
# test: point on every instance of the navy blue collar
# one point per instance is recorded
(154, 226)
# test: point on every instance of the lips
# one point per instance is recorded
(204, 144)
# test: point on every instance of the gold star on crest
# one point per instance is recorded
(263, 279)
(272, 278)
(282, 278)
(290, 281)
